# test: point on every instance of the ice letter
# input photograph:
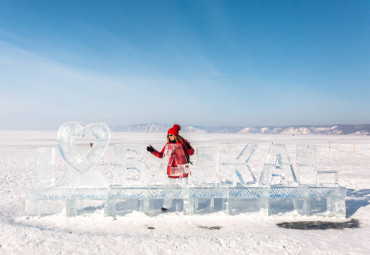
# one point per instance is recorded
(277, 169)
(130, 168)
(233, 160)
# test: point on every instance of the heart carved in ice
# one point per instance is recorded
(83, 146)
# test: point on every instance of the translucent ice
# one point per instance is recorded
(206, 171)
(44, 175)
(236, 153)
(83, 188)
(79, 159)
(233, 163)
(306, 155)
(327, 178)
(306, 164)
(277, 169)
(81, 170)
(129, 166)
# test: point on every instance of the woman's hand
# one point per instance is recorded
(150, 149)
(187, 145)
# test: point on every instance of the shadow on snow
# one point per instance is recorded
(356, 199)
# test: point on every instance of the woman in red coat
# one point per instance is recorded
(176, 158)
(173, 137)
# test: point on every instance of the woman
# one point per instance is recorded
(173, 137)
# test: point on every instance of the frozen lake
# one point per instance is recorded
(174, 233)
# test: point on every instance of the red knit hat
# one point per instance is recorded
(174, 130)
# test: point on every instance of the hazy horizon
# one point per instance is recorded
(190, 125)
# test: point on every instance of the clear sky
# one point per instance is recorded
(209, 63)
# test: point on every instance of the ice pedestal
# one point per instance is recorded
(44, 201)
(319, 201)
(248, 200)
(203, 199)
(328, 201)
(123, 200)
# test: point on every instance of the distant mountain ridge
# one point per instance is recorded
(339, 129)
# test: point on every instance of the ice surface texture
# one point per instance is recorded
(82, 157)
(233, 163)
(78, 159)
(44, 175)
(277, 169)
(206, 165)
(119, 200)
(130, 168)
(307, 168)
(306, 164)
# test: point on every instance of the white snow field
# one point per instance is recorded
(171, 233)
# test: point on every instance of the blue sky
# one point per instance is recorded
(209, 63)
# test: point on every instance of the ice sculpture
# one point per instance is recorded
(206, 162)
(44, 175)
(233, 161)
(219, 168)
(82, 185)
(204, 195)
(306, 164)
(221, 180)
(327, 178)
(277, 169)
(130, 168)
(81, 170)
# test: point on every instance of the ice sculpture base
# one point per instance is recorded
(72, 201)
(120, 200)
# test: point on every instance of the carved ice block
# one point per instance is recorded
(207, 170)
(327, 178)
(82, 168)
(233, 161)
(277, 169)
(130, 169)
(44, 175)
(306, 164)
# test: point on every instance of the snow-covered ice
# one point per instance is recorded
(175, 233)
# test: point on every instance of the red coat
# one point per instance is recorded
(173, 163)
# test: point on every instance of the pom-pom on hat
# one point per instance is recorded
(174, 130)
